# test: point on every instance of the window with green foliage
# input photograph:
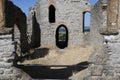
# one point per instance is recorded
(62, 37)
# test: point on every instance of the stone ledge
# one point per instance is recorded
(8, 71)
(6, 36)
(7, 49)
(4, 42)
(6, 65)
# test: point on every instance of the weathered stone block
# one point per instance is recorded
(111, 78)
(107, 67)
(109, 73)
(8, 71)
(87, 78)
(98, 58)
(5, 65)
(8, 60)
(5, 42)
(1, 71)
(7, 55)
(19, 74)
(6, 36)
(1, 59)
(5, 77)
(8, 48)
(96, 78)
(96, 70)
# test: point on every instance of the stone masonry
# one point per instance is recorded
(66, 14)
(8, 71)
(38, 32)
(1, 15)
(7, 56)
(105, 60)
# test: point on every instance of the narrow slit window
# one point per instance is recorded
(86, 21)
(52, 14)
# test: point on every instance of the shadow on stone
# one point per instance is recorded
(36, 33)
(45, 71)
(38, 53)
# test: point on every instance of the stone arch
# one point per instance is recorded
(86, 21)
(15, 16)
(62, 40)
(52, 14)
(20, 21)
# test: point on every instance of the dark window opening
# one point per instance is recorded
(52, 14)
(104, 8)
(86, 21)
(62, 37)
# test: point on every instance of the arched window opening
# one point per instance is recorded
(52, 14)
(62, 37)
(86, 21)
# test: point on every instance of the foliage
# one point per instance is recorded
(62, 36)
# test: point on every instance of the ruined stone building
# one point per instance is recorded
(52, 14)
(31, 47)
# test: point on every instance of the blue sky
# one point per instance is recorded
(93, 1)
(26, 4)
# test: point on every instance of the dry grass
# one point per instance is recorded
(68, 56)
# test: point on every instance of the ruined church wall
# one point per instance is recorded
(70, 11)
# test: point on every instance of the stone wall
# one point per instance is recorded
(111, 67)
(105, 60)
(112, 19)
(112, 10)
(98, 58)
(105, 66)
(2, 14)
(97, 21)
(8, 19)
(118, 16)
(66, 14)
(7, 56)
(14, 16)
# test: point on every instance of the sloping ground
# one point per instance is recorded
(71, 61)
(66, 56)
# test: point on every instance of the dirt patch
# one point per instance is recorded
(68, 56)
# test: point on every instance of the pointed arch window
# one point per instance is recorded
(62, 37)
(51, 14)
